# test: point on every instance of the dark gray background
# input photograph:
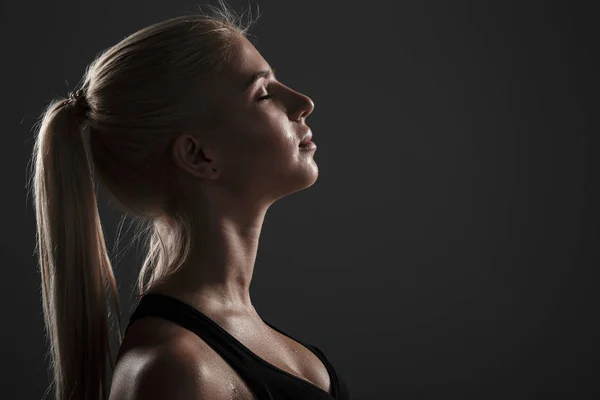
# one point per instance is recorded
(449, 248)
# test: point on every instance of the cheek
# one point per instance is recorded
(270, 134)
(262, 136)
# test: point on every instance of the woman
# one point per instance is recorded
(189, 130)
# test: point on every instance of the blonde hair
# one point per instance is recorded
(140, 93)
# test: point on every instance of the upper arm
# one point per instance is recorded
(171, 371)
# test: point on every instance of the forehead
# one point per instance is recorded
(244, 62)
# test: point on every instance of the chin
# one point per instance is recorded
(299, 181)
(310, 176)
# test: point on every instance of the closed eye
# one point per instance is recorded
(268, 96)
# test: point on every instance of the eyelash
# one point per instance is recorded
(268, 96)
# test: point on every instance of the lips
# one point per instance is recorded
(307, 138)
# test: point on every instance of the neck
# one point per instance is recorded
(218, 272)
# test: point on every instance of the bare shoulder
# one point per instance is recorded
(165, 367)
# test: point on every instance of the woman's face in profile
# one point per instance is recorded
(262, 126)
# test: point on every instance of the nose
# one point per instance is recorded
(303, 106)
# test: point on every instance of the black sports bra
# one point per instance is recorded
(266, 381)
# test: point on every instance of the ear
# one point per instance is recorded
(193, 156)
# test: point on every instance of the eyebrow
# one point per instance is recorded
(257, 75)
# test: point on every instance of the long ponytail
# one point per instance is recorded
(74, 265)
(141, 92)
